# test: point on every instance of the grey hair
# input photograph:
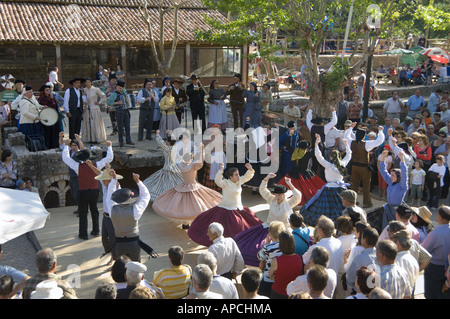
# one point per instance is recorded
(133, 277)
(45, 259)
(320, 256)
(202, 276)
(216, 228)
(326, 225)
(405, 243)
(208, 259)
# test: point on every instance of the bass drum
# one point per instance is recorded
(48, 116)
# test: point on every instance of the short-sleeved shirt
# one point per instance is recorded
(15, 274)
(417, 176)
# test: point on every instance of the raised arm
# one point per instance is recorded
(265, 193)
(108, 158)
(67, 159)
(144, 198)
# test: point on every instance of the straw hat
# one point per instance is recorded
(104, 175)
(424, 213)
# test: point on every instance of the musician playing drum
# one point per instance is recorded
(121, 103)
(51, 132)
(92, 127)
(30, 124)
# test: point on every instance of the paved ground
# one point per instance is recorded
(61, 230)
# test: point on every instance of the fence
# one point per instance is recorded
(335, 46)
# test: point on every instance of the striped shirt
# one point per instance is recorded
(267, 254)
(395, 281)
(174, 282)
(408, 263)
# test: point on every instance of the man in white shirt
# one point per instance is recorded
(202, 277)
(53, 78)
(219, 284)
(404, 258)
(319, 256)
(230, 262)
(74, 100)
(393, 106)
(291, 113)
(332, 141)
(325, 230)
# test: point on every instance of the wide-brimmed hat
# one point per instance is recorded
(84, 155)
(348, 123)
(177, 81)
(104, 175)
(125, 196)
(238, 75)
(82, 80)
(194, 77)
(424, 213)
(47, 289)
(281, 189)
(120, 83)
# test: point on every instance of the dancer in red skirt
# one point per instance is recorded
(303, 179)
(230, 213)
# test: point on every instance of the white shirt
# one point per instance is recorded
(74, 164)
(327, 127)
(332, 174)
(53, 77)
(438, 169)
(407, 262)
(300, 284)
(292, 112)
(141, 204)
(371, 144)
(279, 212)
(334, 247)
(330, 138)
(107, 192)
(228, 255)
(222, 286)
(67, 97)
(141, 99)
(231, 192)
(348, 242)
(393, 106)
(208, 295)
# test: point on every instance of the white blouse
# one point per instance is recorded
(332, 174)
(279, 212)
(231, 192)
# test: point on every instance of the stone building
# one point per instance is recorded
(79, 35)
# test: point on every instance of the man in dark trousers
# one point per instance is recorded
(180, 97)
(147, 98)
(127, 208)
(196, 95)
(75, 146)
(81, 163)
(237, 102)
(74, 99)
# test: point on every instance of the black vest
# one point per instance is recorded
(74, 100)
(147, 105)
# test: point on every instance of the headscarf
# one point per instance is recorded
(335, 158)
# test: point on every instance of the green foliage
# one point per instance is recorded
(333, 79)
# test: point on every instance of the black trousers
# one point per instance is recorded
(198, 113)
(88, 202)
(75, 122)
(112, 117)
(123, 122)
(108, 235)
(145, 122)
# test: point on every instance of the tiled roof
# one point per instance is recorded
(57, 21)
(114, 3)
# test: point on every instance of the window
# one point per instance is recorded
(140, 62)
(30, 63)
(215, 61)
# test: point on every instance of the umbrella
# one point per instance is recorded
(439, 58)
(20, 212)
(399, 52)
(434, 51)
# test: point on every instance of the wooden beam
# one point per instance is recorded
(187, 63)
